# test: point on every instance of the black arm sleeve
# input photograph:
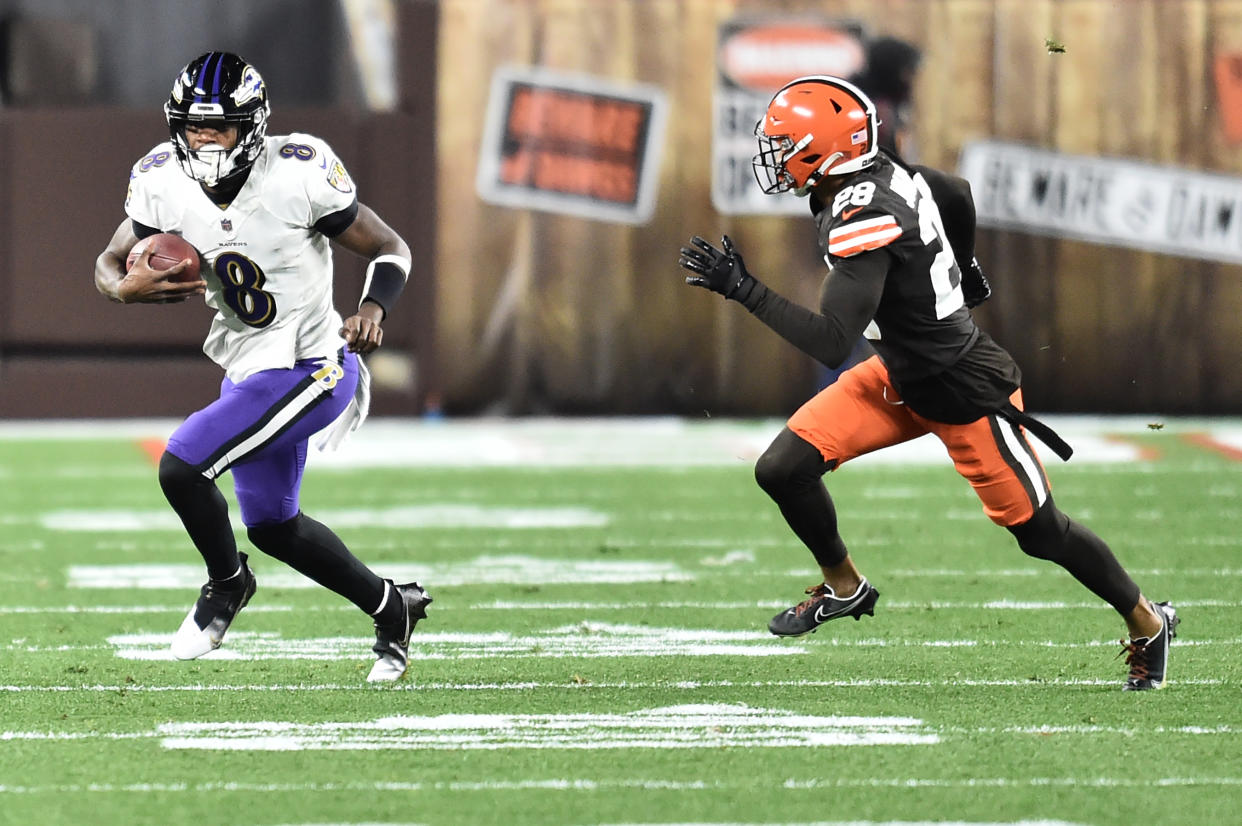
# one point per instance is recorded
(339, 221)
(385, 281)
(847, 299)
(142, 230)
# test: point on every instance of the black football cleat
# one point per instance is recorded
(821, 606)
(204, 627)
(392, 642)
(1148, 657)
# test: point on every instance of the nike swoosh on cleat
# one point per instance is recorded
(845, 609)
(819, 615)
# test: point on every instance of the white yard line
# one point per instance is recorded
(413, 685)
(637, 605)
(524, 569)
(494, 570)
(686, 726)
(588, 639)
(591, 784)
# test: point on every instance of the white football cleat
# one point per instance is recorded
(392, 642)
(203, 629)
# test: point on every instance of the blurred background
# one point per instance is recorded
(546, 158)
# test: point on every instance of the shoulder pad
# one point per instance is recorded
(160, 156)
(313, 157)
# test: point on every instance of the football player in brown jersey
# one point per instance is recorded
(898, 276)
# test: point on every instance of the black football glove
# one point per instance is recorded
(719, 270)
(975, 286)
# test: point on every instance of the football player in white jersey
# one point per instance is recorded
(262, 211)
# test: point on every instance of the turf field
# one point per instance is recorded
(597, 651)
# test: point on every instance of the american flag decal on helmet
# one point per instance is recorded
(858, 137)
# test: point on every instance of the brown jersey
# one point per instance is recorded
(895, 280)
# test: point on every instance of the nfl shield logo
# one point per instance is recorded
(226, 225)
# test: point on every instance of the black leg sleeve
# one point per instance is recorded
(204, 512)
(791, 471)
(312, 549)
(1052, 535)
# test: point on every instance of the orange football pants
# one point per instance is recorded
(861, 412)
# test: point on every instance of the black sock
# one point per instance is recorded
(1092, 563)
(233, 583)
(314, 550)
(391, 609)
(204, 513)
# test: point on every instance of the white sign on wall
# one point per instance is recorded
(754, 59)
(1106, 200)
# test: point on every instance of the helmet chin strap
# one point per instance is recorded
(815, 177)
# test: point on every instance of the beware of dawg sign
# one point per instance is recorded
(573, 144)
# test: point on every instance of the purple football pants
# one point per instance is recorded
(260, 428)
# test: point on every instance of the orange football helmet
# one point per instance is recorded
(815, 126)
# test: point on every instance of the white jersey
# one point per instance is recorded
(268, 271)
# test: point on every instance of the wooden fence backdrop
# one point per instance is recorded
(545, 313)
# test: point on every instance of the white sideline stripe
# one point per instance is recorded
(589, 784)
(507, 723)
(622, 442)
(686, 685)
(611, 441)
(503, 605)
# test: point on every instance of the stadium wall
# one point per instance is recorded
(605, 322)
(521, 311)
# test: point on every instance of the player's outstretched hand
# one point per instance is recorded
(362, 332)
(144, 285)
(719, 270)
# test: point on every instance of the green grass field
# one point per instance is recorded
(597, 652)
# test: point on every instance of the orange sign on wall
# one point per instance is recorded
(1229, 94)
(571, 144)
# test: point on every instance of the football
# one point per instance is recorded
(167, 250)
